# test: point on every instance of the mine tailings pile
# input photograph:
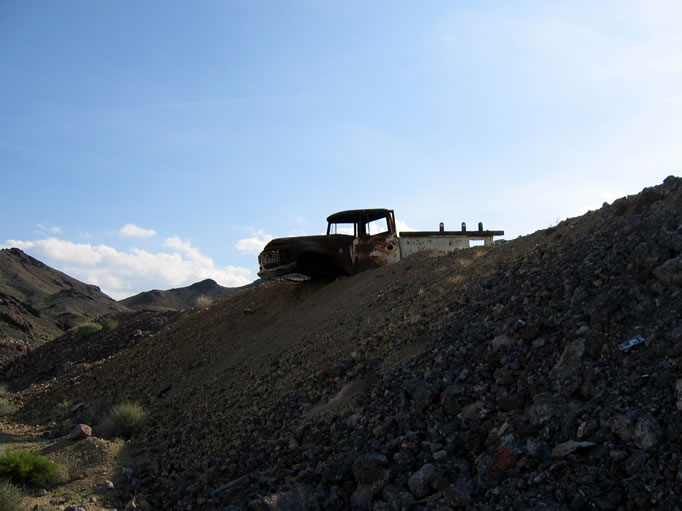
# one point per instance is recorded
(542, 373)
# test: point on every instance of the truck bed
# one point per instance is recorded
(446, 241)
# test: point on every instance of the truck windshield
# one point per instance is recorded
(376, 227)
(341, 229)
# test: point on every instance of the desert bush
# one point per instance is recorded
(112, 324)
(123, 420)
(11, 498)
(24, 467)
(7, 406)
(87, 330)
(64, 407)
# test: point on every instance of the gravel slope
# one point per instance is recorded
(490, 378)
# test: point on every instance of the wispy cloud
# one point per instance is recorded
(121, 274)
(133, 231)
(255, 243)
(42, 228)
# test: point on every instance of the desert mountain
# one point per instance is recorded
(38, 303)
(201, 293)
(543, 373)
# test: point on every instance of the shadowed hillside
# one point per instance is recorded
(199, 294)
(490, 378)
(38, 303)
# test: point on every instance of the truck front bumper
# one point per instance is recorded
(278, 271)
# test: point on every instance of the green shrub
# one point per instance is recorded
(123, 420)
(112, 324)
(24, 467)
(11, 499)
(87, 330)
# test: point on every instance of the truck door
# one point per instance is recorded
(376, 244)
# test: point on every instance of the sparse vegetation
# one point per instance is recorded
(87, 330)
(72, 467)
(112, 324)
(123, 420)
(203, 301)
(64, 407)
(7, 406)
(24, 467)
(11, 498)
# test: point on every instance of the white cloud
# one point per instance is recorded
(255, 243)
(133, 231)
(402, 226)
(121, 274)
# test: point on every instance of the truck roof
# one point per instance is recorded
(352, 215)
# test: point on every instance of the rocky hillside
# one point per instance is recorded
(39, 303)
(83, 346)
(543, 373)
(199, 294)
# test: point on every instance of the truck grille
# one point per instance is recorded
(269, 257)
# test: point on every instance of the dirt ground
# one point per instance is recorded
(88, 468)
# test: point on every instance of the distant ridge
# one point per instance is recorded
(39, 303)
(180, 298)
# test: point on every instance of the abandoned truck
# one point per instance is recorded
(358, 240)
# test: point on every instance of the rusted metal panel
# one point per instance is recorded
(413, 241)
(409, 246)
(375, 251)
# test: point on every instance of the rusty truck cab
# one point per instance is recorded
(375, 241)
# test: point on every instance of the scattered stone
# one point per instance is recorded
(80, 432)
(623, 426)
(670, 272)
(396, 497)
(458, 495)
(440, 455)
(647, 432)
(421, 392)
(587, 429)
(370, 468)
(420, 482)
(501, 341)
(362, 498)
(450, 399)
(564, 449)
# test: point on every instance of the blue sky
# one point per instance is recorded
(150, 145)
